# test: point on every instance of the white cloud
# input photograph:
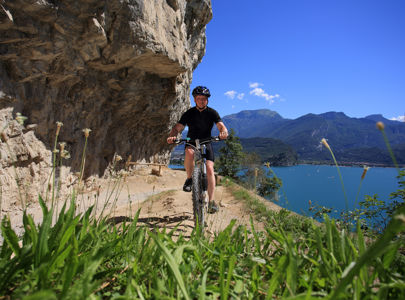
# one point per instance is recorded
(254, 85)
(231, 94)
(399, 118)
(240, 96)
(259, 92)
(255, 90)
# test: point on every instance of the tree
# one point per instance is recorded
(269, 184)
(231, 155)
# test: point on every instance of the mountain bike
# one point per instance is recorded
(199, 177)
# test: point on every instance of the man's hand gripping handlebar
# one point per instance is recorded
(201, 141)
(175, 140)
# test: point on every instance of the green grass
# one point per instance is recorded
(80, 258)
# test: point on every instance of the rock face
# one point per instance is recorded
(122, 68)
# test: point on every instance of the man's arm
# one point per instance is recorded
(223, 132)
(176, 130)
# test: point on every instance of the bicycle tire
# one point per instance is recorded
(198, 197)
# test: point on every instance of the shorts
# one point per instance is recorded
(209, 152)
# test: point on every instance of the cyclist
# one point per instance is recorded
(200, 119)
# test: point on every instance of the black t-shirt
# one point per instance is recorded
(200, 123)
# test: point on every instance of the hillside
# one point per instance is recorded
(253, 123)
(271, 150)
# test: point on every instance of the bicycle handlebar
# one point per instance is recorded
(202, 141)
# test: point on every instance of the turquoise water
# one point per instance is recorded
(321, 185)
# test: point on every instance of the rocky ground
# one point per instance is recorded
(160, 199)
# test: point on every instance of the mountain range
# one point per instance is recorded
(353, 140)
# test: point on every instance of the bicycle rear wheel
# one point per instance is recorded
(198, 195)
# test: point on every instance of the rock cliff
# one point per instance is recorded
(122, 68)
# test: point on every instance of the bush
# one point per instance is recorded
(229, 161)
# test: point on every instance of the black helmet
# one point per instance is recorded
(201, 90)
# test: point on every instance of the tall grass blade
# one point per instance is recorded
(42, 246)
(231, 266)
(58, 259)
(325, 265)
(256, 237)
(31, 234)
(172, 264)
(395, 226)
(72, 264)
(292, 271)
(360, 240)
(221, 275)
(277, 276)
(10, 237)
(389, 256)
(203, 286)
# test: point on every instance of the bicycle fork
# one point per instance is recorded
(204, 180)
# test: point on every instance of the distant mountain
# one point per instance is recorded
(352, 139)
(252, 123)
(380, 118)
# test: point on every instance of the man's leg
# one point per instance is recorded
(189, 166)
(189, 161)
(211, 179)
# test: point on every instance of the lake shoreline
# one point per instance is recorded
(350, 164)
(310, 163)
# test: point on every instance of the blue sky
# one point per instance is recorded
(306, 56)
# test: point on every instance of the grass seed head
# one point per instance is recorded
(65, 154)
(86, 132)
(62, 146)
(58, 126)
(380, 126)
(365, 169)
(325, 143)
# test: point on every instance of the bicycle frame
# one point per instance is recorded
(200, 159)
(200, 184)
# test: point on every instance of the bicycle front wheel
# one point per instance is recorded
(198, 194)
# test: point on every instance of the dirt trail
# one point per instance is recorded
(160, 199)
(174, 207)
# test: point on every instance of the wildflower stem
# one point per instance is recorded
(54, 167)
(83, 162)
(358, 193)
(340, 175)
(387, 143)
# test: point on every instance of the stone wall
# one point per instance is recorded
(122, 68)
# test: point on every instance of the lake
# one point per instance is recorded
(321, 184)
